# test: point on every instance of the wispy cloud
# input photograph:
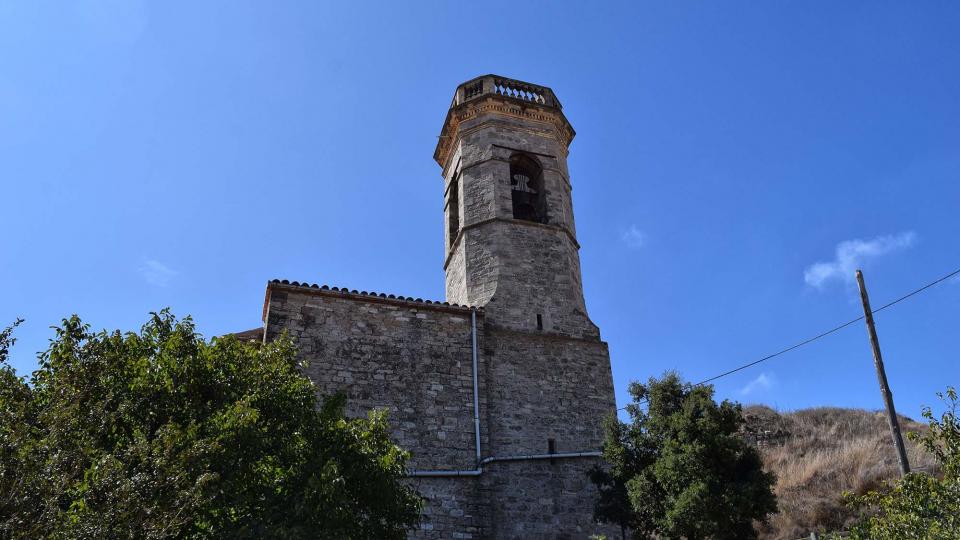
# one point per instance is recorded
(763, 382)
(633, 237)
(852, 254)
(156, 273)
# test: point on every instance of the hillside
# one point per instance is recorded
(819, 453)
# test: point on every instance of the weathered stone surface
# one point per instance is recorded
(544, 375)
(410, 358)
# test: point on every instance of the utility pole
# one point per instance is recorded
(882, 378)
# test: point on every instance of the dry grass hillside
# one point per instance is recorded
(817, 454)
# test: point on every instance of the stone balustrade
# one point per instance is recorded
(502, 86)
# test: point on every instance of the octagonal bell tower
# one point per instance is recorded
(511, 243)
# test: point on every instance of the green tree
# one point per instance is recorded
(680, 467)
(162, 434)
(612, 504)
(919, 505)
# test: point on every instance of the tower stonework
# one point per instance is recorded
(505, 140)
(499, 392)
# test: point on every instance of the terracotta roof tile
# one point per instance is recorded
(374, 294)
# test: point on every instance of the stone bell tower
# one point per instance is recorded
(511, 243)
(500, 398)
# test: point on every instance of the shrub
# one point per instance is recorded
(162, 434)
(681, 468)
(919, 505)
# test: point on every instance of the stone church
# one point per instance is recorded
(498, 392)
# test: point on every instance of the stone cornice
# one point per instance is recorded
(492, 329)
(498, 105)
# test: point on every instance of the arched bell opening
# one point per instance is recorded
(526, 189)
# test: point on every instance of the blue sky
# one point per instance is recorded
(734, 163)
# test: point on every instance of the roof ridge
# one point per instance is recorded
(369, 294)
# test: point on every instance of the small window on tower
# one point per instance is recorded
(526, 188)
(453, 208)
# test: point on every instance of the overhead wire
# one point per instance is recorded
(818, 336)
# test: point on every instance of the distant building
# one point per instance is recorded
(499, 392)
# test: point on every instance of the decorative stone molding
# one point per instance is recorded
(499, 95)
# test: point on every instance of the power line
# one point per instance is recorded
(822, 334)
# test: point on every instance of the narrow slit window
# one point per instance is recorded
(539, 321)
(453, 209)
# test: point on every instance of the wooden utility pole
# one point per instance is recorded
(882, 378)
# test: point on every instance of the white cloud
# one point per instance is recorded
(156, 273)
(634, 237)
(852, 254)
(763, 382)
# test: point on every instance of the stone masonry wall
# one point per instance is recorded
(411, 358)
(542, 386)
(414, 359)
(542, 500)
(546, 387)
(456, 280)
(529, 283)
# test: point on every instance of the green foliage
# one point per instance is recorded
(161, 434)
(680, 468)
(919, 505)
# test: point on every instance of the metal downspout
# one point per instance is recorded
(476, 426)
(525, 457)
(476, 384)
